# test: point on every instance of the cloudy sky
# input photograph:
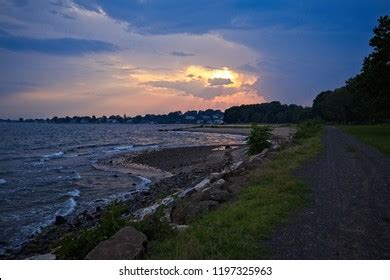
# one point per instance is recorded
(85, 57)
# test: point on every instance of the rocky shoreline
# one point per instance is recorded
(171, 170)
(186, 181)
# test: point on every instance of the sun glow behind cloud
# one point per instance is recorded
(140, 76)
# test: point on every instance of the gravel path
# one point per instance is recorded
(348, 216)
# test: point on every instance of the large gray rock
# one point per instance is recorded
(202, 185)
(220, 195)
(186, 192)
(215, 177)
(199, 196)
(218, 184)
(127, 244)
(234, 187)
(187, 211)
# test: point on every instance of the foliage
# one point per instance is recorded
(377, 136)
(258, 139)
(237, 230)
(365, 98)
(272, 112)
(307, 129)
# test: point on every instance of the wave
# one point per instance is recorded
(74, 193)
(53, 155)
(3, 181)
(123, 148)
(69, 207)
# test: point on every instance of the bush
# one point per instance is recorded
(258, 139)
(308, 129)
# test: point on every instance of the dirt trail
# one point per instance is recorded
(348, 216)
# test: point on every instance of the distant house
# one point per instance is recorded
(190, 117)
(218, 121)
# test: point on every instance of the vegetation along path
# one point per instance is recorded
(348, 216)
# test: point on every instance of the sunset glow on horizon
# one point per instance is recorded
(97, 57)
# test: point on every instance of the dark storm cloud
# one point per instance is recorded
(60, 46)
(182, 54)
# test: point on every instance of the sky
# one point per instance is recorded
(104, 57)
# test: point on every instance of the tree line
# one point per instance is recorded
(364, 98)
(273, 112)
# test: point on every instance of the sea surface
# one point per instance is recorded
(46, 169)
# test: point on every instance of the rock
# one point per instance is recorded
(42, 257)
(147, 211)
(236, 165)
(202, 185)
(180, 227)
(234, 188)
(218, 184)
(186, 212)
(60, 220)
(220, 195)
(199, 196)
(186, 192)
(206, 189)
(168, 201)
(215, 177)
(167, 215)
(127, 244)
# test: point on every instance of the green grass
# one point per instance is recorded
(377, 136)
(236, 230)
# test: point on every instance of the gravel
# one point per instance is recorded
(349, 210)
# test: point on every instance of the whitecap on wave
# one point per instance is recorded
(123, 148)
(2, 181)
(69, 207)
(53, 155)
(74, 193)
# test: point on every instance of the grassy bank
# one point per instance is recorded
(236, 230)
(377, 136)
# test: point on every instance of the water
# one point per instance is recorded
(45, 169)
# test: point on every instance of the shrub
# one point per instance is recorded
(308, 129)
(258, 139)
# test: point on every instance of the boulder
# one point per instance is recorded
(168, 201)
(186, 192)
(234, 187)
(167, 215)
(236, 165)
(147, 211)
(187, 211)
(199, 196)
(127, 244)
(220, 195)
(218, 184)
(202, 185)
(42, 257)
(59, 220)
(215, 177)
